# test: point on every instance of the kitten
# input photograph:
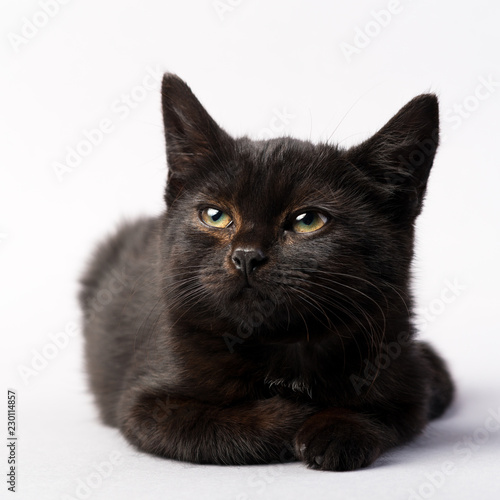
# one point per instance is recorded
(266, 315)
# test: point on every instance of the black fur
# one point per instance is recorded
(255, 343)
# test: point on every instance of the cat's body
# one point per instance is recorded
(267, 314)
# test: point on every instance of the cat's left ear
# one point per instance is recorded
(399, 156)
(194, 140)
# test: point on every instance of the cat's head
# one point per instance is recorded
(286, 237)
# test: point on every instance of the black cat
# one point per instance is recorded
(266, 315)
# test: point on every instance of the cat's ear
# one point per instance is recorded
(193, 138)
(399, 156)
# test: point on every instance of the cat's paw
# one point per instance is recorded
(337, 440)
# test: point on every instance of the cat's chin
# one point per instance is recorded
(262, 317)
(247, 298)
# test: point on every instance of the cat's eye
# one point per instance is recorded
(309, 222)
(214, 217)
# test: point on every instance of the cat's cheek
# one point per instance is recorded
(337, 440)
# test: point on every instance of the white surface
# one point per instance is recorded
(262, 57)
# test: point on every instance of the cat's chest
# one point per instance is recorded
(294, 370)
(301, 370)
(286, 385)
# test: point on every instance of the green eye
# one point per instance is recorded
(214, 217)
(309, 222)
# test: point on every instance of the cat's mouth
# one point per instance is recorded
(248, 296)
(247, 291)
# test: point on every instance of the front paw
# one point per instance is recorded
(339, 440)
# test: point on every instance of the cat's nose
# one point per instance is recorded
(247, 260)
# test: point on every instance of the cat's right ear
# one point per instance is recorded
(399, 156)
(193, 138)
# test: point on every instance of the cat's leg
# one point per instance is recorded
(345, 439)
(259, 431)
(341, 439)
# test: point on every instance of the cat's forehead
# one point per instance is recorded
(275, 174)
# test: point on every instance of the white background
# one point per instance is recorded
(245, 60)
